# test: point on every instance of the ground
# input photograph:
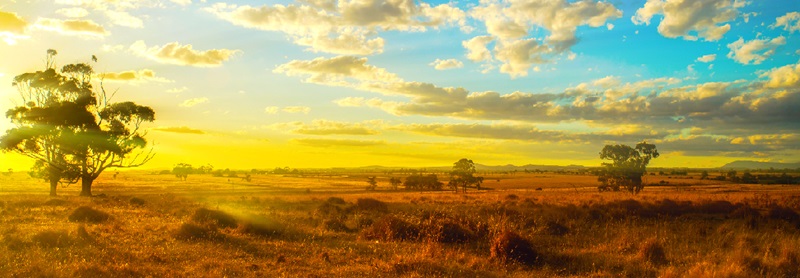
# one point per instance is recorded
(329, 225)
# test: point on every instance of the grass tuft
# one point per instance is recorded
(508, 247)
(192, 231)
(52, 239)
(219, 218)
(391, 228)
(136, 201)
(653, 252)
(88, 214)
(369, 204)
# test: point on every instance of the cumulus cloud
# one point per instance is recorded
(346, 27)
(193, 101)
(74, 12)
(12, 27)
(783, 77)
(143, 75)
(691, 20)
(296, 109)
(440, 64)
(707, 58)
(180, 129)
(76, 27)
(789, 22)
(185, 55)
(336, 70)
(324, 143)
(754, 51)
(654, 102)
(178, 90)
(513, 26)
(271, 110)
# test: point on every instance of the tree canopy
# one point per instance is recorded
(72, 130)
(628, 165)
(462, 175)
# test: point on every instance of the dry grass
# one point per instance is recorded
(271, 227)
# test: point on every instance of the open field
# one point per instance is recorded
(329, 226)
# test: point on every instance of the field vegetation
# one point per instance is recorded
(536, 224)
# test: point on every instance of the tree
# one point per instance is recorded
(182, 171)
(627, 166)
(52, 107)
(372, 183)
(704, 175)
(395, 182)
(462, 175)
(65, 124)
(423, 182)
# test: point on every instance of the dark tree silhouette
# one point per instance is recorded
(182, 171)
(395, 182)
(372, 183)
(65, 124)
(423, 182)
(462, 175)
(40, 123)
(627, 166)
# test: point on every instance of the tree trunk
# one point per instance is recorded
(53, 187)
(86, 186)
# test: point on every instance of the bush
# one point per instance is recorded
(329, 209)
(369, 204)
(449, 232)
(508, 246)
(88, 214)
(555, 229)
(717, 207)
(335, 201)
(136, 201)
(191, 231)
(336, 225)
(261, 227)
(52, 239)
(220, 218)
(652, 251)
(390, 228)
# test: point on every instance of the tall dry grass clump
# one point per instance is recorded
(52, 239)
(390, 228)
(369, 204)
(88, 214)
(216, 217)
(192, 231)
(508, 246)
(652, 251)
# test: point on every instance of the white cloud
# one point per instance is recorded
(344, 27)
(607, 82)
(178, 90)
(193, 101)
(336, 70)
(477, 50)
(790, 22)
(175, 53)
(296, 109)
(707, 58)
(446, 64)
(12, 27)
(754, 51)
(705, 19)
(518, 56)
(783, 77)
(133, 76)
(77, 27)
(610, 26)
(182, 2)
(271, 110)
(73, 12)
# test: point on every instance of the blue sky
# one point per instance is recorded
(321, 83)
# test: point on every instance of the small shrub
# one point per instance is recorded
(508, 246)
(512, 197)
(191, 231)
(651, 251)
(335, 224)
(555, 229)
(335, 201)
(56, 202)
(262, 227)
(369, 204)
(390, 228)
(783, 213)
(329, 209)
(52, 239)
(88, 214)
(449, 232)
(83, 234)
(717, 207)
(220, 218)
(136, 201)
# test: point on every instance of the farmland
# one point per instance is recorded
(540, 224)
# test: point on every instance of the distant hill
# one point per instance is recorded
(748, 164)
(482, 167)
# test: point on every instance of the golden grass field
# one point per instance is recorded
(148, 225)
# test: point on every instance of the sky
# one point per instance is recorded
(325, 83)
